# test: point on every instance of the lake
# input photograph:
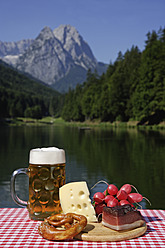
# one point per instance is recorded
(114, 155)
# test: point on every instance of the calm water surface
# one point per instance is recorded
(114, 155)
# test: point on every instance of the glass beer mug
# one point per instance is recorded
(46, 173)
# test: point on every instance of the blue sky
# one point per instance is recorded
(108, 26)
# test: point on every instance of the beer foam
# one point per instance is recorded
(47, 155)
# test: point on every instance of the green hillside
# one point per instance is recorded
(24, 97)
(133, 87)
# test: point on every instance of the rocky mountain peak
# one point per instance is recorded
(59, 58)
(73, 42)
(67, 33)
(45, 34)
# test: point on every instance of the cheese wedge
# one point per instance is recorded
(74, 198)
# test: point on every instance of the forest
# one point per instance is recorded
(22, 96)
(133, 87)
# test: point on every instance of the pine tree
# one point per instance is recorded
(149, 93)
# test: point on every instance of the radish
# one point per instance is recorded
(112, 203)
(112, 189)
(124, 202)
(108, 198)
(128, 188)
(122, 195)
(98, 197)
(135, 197)
(105, 192)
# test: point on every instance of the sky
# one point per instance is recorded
(108, 26)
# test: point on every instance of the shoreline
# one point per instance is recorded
(81, 125)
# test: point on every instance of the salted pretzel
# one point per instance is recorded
(62, 226)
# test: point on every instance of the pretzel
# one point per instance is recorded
(62, 226)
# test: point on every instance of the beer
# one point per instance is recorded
(44, 183)
(46, 173)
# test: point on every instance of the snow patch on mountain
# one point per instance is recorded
(11, 59)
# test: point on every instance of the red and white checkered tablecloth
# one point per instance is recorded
(17, 230)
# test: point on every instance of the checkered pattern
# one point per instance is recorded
(17, 230)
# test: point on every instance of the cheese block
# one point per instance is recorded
(74, 198)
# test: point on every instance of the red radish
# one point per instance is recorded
(122, 195)
(128, 188)
(112, 203)
(105, 192)
(135, 197)
(99, 208)
(98, 197)
(112, 189)
(108, 198)
(124, 202)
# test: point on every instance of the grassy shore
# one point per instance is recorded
(117, 124)
(84, 125)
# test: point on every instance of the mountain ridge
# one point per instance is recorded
(53, 56)
(14, 47)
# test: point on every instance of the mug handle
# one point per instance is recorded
(12, 186)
